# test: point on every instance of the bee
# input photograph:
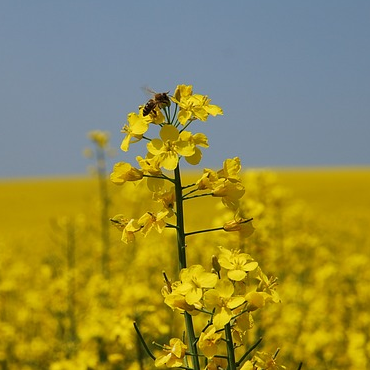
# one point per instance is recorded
(159, 100)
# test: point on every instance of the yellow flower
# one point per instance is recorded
(222, 301)
(193, 281)
(175, 353)
(230, 192)
(101, 138)
(149, 220)
(217, 363)
(244, 226)
(266, 361)
(255, 300)
(238, 264)
(193, 106)
(167, 198)
(224, 183)
(177, 302)
(128, 227)
(155, 116)
(208, 179)
(128, 232)
(209, 340)
(165, 152)
(230, 170)
(123, 172)
(200, 139)
(248, 365)
(136, 128)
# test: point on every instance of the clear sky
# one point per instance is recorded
(293, 78)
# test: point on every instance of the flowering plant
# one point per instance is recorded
(226, 295)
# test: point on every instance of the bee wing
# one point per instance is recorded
(148, 91)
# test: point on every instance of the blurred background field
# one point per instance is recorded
(29, 204)
(59, 310)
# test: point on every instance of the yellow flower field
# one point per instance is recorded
(154, 266)
(58, 312)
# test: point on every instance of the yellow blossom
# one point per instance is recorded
(123, 172)
(193, 106)
(155, 116)
(128, 232)
(217, 363)
(149, 220)
(128, 227)
(165, 151)
(175, 353)
(196, 139)
(266, 361)
(150, 167)
(194, 280)
(230, 192)
(230, 169)
(238, 264)
(248, 365)
(167, 198)
(222, 301)
(244, 226)
(208, 179)
(178, 302)
(255, 300)
(101, 138)
(209, 340)
(136, 128)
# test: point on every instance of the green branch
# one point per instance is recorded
(143, 341)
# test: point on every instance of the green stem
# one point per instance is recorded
(248, 352)
(181, 247)
(180, 220)
(148, 351)
(197, 196)
(230, 348)
(204, 231)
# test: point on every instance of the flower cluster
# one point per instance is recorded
(236, 286)
(243, 289)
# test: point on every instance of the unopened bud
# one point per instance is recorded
(215, 264)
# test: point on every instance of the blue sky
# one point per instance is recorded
(293, 78)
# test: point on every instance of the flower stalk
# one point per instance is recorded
(236, 286)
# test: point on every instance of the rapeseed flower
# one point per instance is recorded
(193, 106)
(238, 264)
(123, 172)
(101, 138)
(244, 226)
(266, 361)
(229, 192)
(128, 227)
(222, 301)
(151, 168)
(208, 179)
(175, 353)
(167, 198)
(149, 221)
(135, 129)
(193, 281)
(209, 341)
(230, 170)
(165, 151)
(217, 363)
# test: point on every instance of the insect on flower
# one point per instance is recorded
(159, 100)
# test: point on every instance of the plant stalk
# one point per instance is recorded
(181, 247)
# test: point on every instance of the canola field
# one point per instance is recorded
(70, 290)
